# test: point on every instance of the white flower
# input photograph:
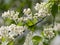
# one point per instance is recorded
(5, 14)
(27, 11)
(4, 31)
(15, 30)
(11, 31)
(48, 32)
(27, 15)
(10, 14)
(26, 18)
(42, 10)
(39, 6)
(20, 19)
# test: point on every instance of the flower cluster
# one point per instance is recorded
(27, 11)
(39, 6)
(27, 14)
(11, 15)
(11, 31)
(48, 33)
(42, 10)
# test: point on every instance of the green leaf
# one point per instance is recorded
(11, 42)
(46, 42)
(34, 20)
(9, 21)
(54, 9)
(36, 40)
(29, 22)
(3, 39)
(59, 8)
(32, 28)
(20, 23)
(20, 41)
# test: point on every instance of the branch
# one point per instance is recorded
(38, 21)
